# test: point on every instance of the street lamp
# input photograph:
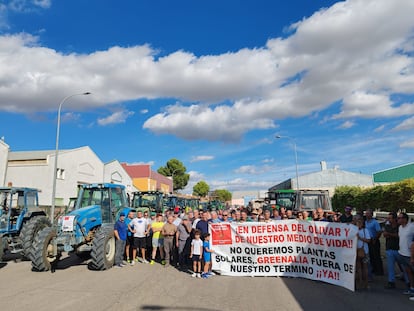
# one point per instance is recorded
(296, 157)
(52, 210)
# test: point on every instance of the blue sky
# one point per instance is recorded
(212, 83)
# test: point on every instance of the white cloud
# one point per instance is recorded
(407, 144)
(269, 160)
(341, 54)
(201, 158)
(115, 118)
(239, 184)
(143, 111)
(346, 125)
(253, 169)
(407, 124)
(379, 129)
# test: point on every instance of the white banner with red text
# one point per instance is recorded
(315, 250)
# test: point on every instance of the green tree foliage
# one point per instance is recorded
(390, 198)
(175, 169)
(201, 189)
(222, 195)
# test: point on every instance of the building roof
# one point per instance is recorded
(39, 154)
(137, 170)
(30, 155)
(395, 174)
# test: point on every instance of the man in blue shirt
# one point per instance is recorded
(120, 232)
(375, 262)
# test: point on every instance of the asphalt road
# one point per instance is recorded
(152, 287)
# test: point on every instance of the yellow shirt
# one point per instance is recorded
(157, 225)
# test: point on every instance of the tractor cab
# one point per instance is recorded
(150, 201)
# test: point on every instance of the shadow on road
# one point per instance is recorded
(69, 260)
(157, 307)
(309, 295)
(3, 264)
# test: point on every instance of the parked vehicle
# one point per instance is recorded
(151, 201)
(88, 229)
(299, 200)
(20, 220)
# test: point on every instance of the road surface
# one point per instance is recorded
(153, 287)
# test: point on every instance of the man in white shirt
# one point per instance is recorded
(140, 227)
(405, 255)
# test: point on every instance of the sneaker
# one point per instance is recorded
(128, 260)
(390, 285)
(118, 266)
(136, 259)
(198, 275)
(132, 263)
(122, 265)
(152, 262)
(144, 261)
(194, 275)
(163, 262)
(409, 291)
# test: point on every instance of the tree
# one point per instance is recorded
(201, 189)
(222, 195)
(175, 169)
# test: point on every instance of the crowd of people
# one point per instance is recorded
(181, 239)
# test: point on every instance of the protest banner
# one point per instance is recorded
(315, 250)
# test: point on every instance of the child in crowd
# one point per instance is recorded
(196, 253)
(206, 256)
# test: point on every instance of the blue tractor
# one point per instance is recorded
(20, 220)
(86, 230)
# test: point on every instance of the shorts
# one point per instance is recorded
(405, 261)
(196, 258)
(130, 240)
(207, 257)
(157, 242)
(140, 242)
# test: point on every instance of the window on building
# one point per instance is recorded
(60, 173)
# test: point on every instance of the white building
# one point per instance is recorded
(326, 179)
(75, 166)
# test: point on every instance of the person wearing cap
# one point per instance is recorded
(120, 232)
(346, 218)
(183, 242)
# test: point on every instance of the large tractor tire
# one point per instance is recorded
(41, 252)
(103, 250)
(29, 230)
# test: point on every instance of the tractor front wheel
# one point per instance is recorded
(42, 253)
(29, 230)
(103, 250)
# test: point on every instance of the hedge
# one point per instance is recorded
(388, 198)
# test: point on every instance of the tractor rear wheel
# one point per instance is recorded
(41, 253)
(29, 230)
(103, 250)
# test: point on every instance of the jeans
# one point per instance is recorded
(392, 256)
(119, 251)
